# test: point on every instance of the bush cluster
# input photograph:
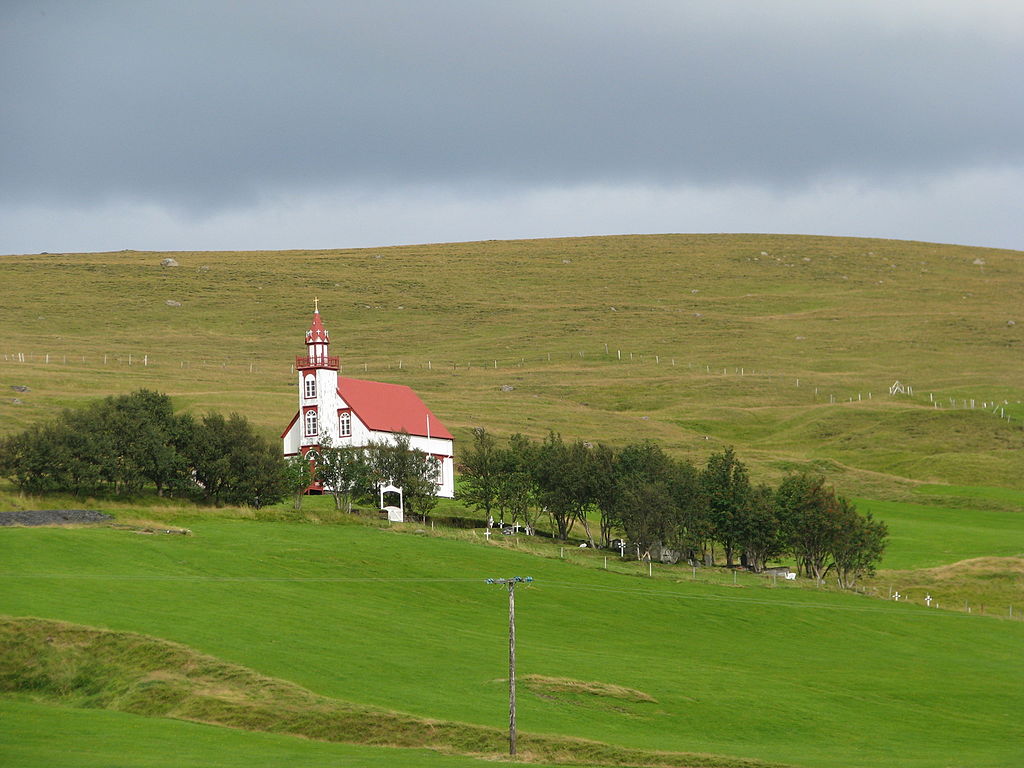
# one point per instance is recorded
(123, 445)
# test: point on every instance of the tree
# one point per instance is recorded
(515, 493)
(757, 528)
(343, 470)
(564, 483)
(480, 471)
(691, 529)
(726, 486)
(604, 463)
(645, 512)
(233, 464)
(151, 437)
(809, 523)
(641, 499)
(859, 544)
(412, 470)
(298, 476)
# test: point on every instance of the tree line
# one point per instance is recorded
(654, 500)
(126, 445)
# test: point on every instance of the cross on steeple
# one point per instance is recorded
(316, 304)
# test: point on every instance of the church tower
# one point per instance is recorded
(318, 382)
(353, 412)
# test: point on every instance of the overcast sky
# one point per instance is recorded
(208, 124)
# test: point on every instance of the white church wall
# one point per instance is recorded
(291, 440)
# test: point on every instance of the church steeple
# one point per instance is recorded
(317, 342)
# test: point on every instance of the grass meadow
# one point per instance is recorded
(784, 347)
(404, 622)
(92, 738)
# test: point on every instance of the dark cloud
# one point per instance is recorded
(208, 109)
(199, 104)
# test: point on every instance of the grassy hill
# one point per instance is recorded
(405, 623)
(783, 346)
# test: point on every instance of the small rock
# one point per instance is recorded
(695, 290)
(507, 387)
(800, 338)
(1010, 323)
(15, 401)
(807, 258)
(23, 388)
(764, 253)
(613, 309)
(979, 262)
(697, 314)
(377, 256)
(173, 303)
(168, 262)
(567, 261)
(203, 268)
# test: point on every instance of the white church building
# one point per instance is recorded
(356, 412)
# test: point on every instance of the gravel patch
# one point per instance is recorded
(53, 517)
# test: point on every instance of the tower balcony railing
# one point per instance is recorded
(317, 361)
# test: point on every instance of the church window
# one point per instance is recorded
(310, 386)
(345, 424)
(312, 428)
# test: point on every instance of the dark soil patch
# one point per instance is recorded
(53, 517)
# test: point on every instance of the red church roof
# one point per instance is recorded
(390, 408)
(316, 331)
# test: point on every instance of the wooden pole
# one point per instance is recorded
(512, 667)
(511, 582)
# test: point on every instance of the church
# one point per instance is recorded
(357, 412)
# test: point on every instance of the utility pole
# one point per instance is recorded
(511, 582)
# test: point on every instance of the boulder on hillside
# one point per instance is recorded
(168, 262)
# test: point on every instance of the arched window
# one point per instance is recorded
(345, 424)
(312, 428)
(310, 386)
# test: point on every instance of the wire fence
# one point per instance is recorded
(832, 394)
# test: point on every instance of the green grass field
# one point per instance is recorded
(782, 346)
(405, 622)
(926, 536)
(65, 737)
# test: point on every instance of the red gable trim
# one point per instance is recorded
(290, 425)
(390, 408)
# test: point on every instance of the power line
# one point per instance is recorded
(747, 600)
(559, 585)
